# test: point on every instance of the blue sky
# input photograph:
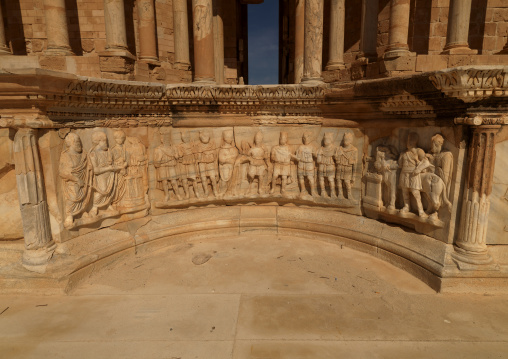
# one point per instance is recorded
(263, 35)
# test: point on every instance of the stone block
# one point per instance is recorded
(116, 64)
(500, 15)
(425, 63)
(402, 63)
(57, 63)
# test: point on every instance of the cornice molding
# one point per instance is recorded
(471, 84)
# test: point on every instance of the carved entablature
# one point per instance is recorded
(471, 84)
(410, 180)
(482, 119)
(408, 105)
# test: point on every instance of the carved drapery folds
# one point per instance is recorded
(105, 180)
(39, 245)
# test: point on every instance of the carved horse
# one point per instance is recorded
(435, 189)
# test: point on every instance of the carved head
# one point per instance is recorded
(185, 136)
(228, 136)
(437, 143)
(306, 138)
(73, 142)
(328, 139)
(258, 139)
(100, 140)
(412, 140)
(119, 136)
(283, 139)
(348, 138)
(204, 136)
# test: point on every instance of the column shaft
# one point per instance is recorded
(39, 245)
(458, 28)
(181, 34)
(337, 19)
(56, 28)
(399, 29)
(313, 51)
(471, 243)
(204, 62)
(4, 46)
(116, 33)
(147, 35)
(368, 36)
(218, 41)
(299, 39)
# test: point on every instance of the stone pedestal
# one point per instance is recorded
(299, 39)
(458, 28)
(116, 33)
(399, 29)
(337, 18)
(147, 36)
(4, 47)
(39, 245)
(471, 247)
(181, 34)
(56, 28)
(368, 36)
(313, 51)
(204, 62)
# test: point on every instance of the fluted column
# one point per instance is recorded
(218, 41)
(336, 46)
(313, 43)
(368, 36)
(299, 39)
(4, 46)
(458, 28)
(147, 36)
(204, 63)
(116, 33)
(181, 34)
(39, 245)
(399, 29)
(56, 28)
(471, 246)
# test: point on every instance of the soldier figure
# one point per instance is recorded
(326, 164)
(305, 158)
(346, 158)
(165, 163)
(281, 155)
(257, 163)
(227, 157)
(207, 162)
(186, 152)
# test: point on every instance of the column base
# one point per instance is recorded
(182, 66)
(394, 53)
(117, 52)
(154, 61)
(458, 50)
(37, 260)
(204, 82)
(315, 81)
(332, 66)
(58, 51)
(467, 260)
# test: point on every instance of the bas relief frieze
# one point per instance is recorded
(408, 184)
(106, 178)
(310, 165)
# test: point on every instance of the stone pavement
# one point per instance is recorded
(253, 296)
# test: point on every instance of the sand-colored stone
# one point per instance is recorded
(181, 33)
(313, 42)
(458, 28)
(147, 36)
(336, 47)
(56, 28)
(204, 63)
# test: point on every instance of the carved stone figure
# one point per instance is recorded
(207, 162)
(187, 154)
(136, 178)
(435, 189)
(165, 161)
(412, 162)
(105, 173)
(281, 156)
(326, 165)
(258, 158)
(442, 161)
(305, 157)
(346, 158)
(119, 153)
(387, 166)
(76, 178)
(227, 157)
